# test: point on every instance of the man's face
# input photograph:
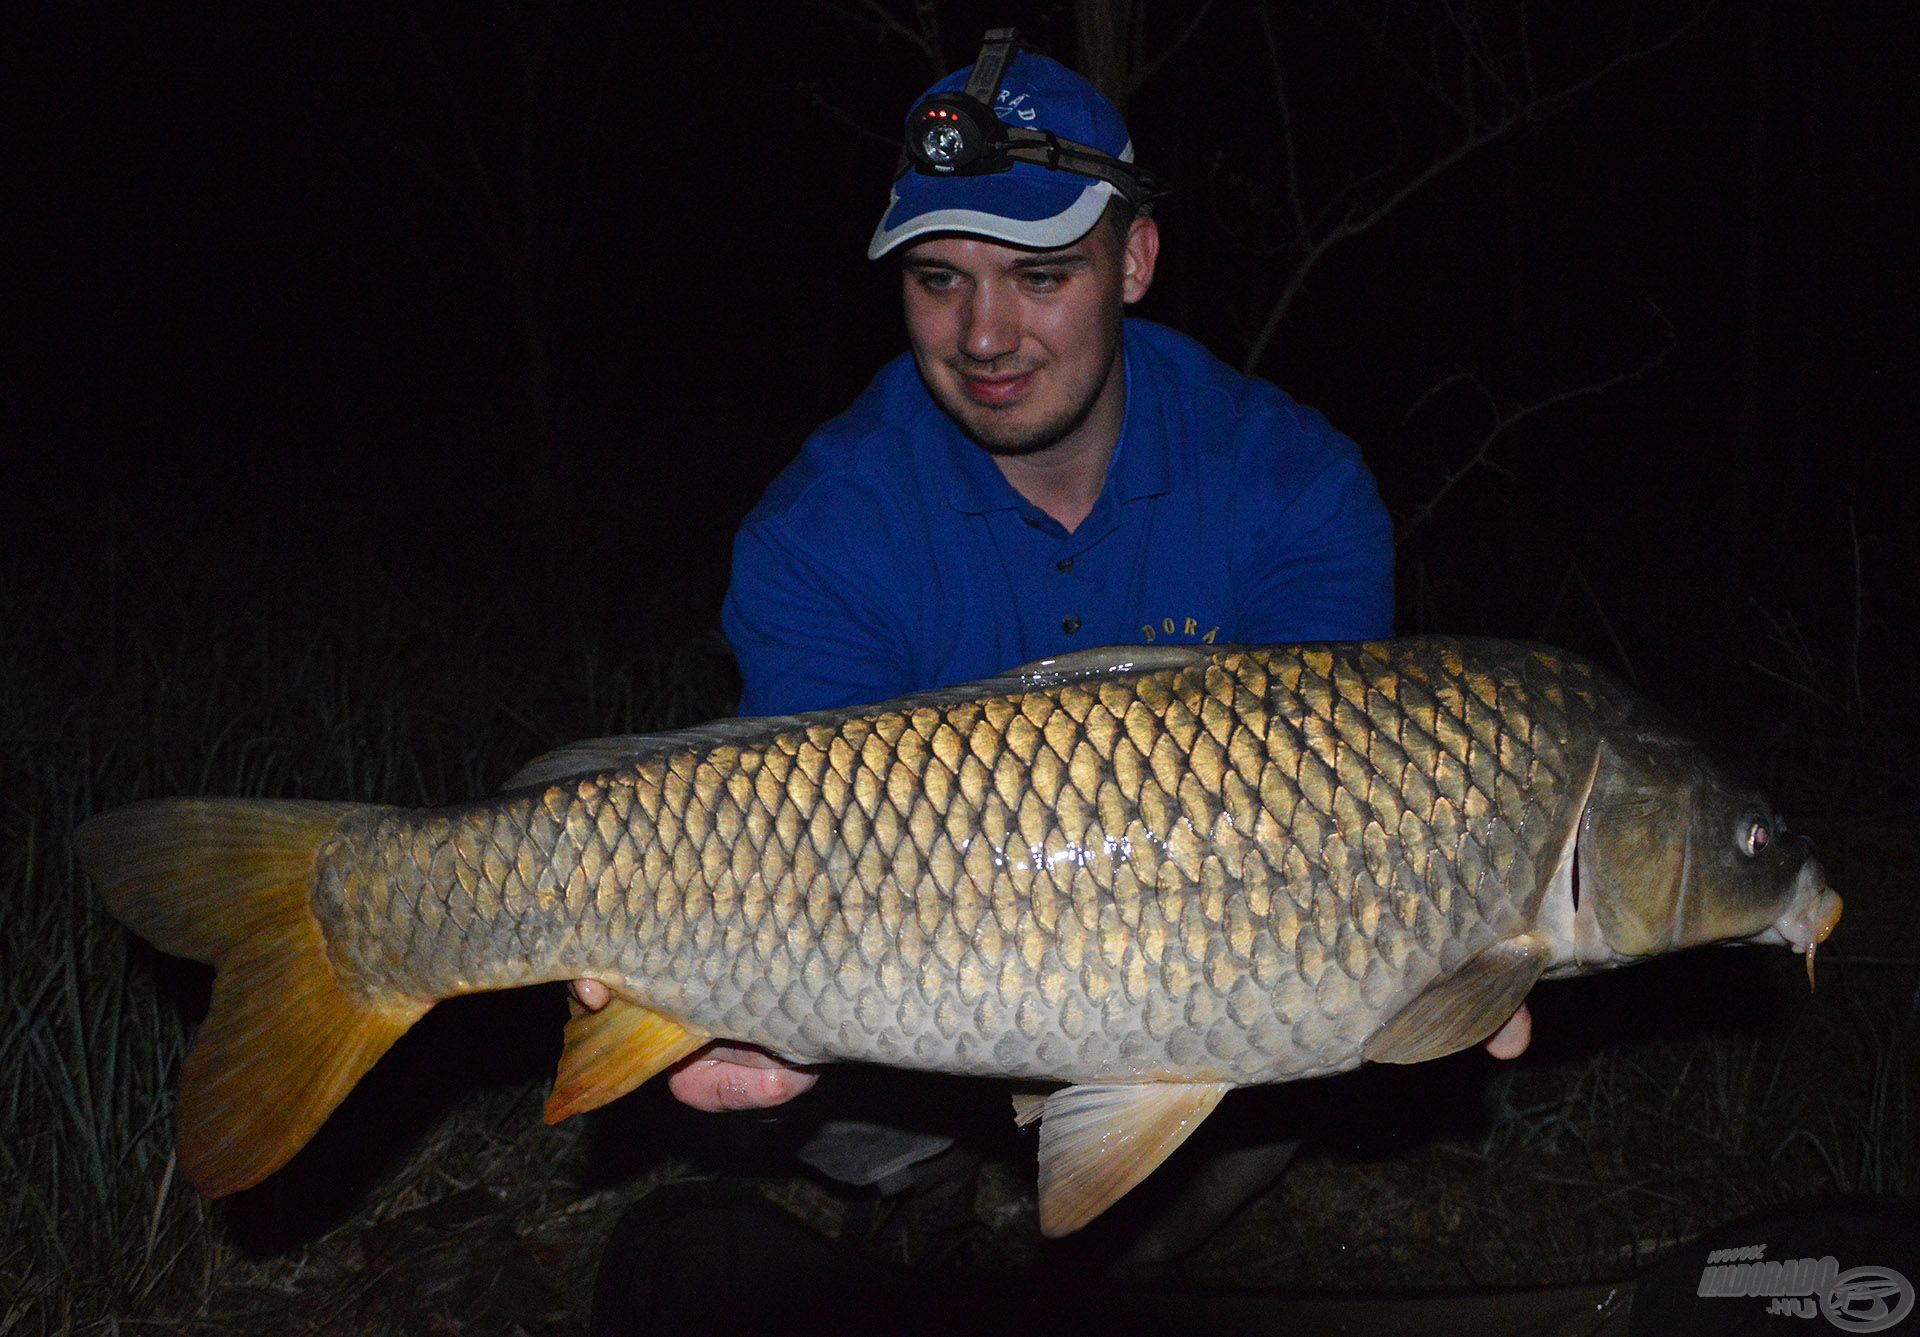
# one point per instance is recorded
(1020, 347)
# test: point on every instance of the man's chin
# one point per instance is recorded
(1006, 440)
(1005, 432)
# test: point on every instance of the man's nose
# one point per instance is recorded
(991, 327)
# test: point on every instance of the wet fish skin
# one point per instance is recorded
(1151, 874)
(1230, 871)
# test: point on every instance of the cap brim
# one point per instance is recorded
(1030, 205)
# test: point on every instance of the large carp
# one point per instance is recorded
(1153, 874)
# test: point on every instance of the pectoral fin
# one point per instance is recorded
(610, 1052)
(1096, 1142)
(1464, 1006)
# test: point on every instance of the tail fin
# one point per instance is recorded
(229, 881)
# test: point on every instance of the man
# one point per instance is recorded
(1040, 474)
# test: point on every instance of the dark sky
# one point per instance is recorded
(537, 279)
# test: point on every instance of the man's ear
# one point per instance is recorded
(1137, 259)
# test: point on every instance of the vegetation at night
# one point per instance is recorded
(1655, 1103)
(392, 396)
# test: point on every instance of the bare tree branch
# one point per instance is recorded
(812, 90)
(1504, 422)
(923, 36)
(1286, 124)
(1104, 42)
(927, 14)
(1476, 134)
(1145, 70)
(1577, 576)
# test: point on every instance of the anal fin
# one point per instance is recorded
(610, 1052)
(1464, 1006)
(1097, 1142)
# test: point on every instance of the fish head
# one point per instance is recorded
(1674, 852)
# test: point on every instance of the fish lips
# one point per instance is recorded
(1812, 913)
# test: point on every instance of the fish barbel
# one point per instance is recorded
(1152, 874)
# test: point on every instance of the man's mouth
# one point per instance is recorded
(996, 390)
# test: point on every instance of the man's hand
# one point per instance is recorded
(740, 1077)
(721, 1076)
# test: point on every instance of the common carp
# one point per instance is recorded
(1152, 874)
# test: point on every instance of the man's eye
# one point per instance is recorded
(1042, 280)
(936, 280)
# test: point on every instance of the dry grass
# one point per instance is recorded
(146, 676)
(1645, 1114)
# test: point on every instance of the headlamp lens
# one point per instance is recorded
(942, 142)
(949, 133)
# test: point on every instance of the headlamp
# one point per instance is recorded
(958, 134)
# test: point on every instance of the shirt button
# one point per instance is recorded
(1064, 564)
(1069, 624)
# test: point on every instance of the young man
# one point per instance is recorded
(1040, 474)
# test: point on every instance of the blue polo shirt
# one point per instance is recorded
(892, 555)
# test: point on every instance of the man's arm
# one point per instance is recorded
(804, 633)
(1313, 542)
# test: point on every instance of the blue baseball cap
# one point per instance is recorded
(1030, 204)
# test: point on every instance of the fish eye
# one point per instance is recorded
(1756, 837)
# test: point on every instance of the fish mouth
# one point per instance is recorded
(1809, 923)
(1810, 918)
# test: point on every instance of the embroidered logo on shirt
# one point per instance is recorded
(1167, 628)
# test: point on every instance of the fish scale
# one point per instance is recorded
(1153, 874)
(858, 860)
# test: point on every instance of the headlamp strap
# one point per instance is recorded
(997, 50)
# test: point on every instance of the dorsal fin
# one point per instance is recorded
(590, 756)
(1110, 661)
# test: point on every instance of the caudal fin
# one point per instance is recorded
(230, 881)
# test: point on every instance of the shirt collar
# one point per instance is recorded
(1138, 468)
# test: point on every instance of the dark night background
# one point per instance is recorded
(480, 290)
(493, 319)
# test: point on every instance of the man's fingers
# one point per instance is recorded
(720, 1076)
(1511, 1040)
(736, 1077)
